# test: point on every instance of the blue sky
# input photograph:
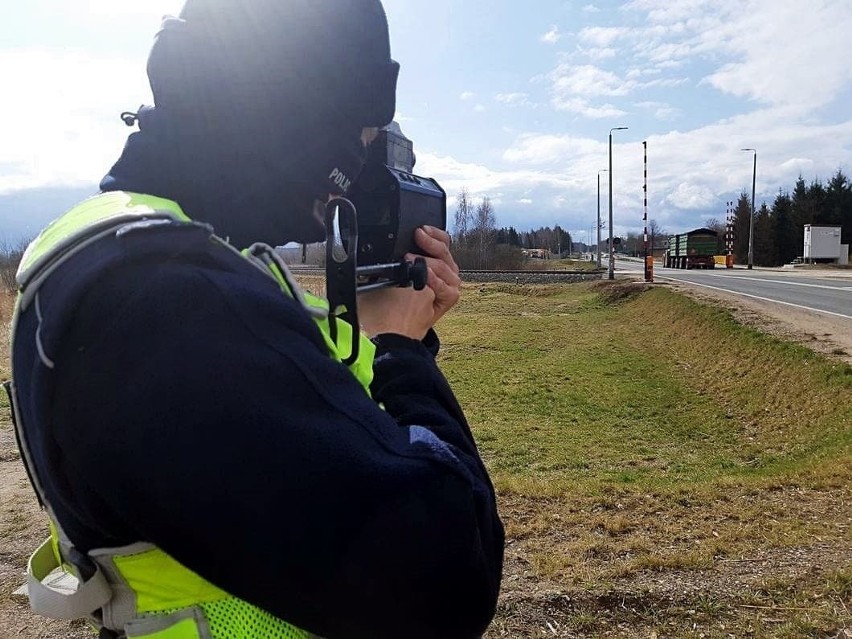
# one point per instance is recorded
(513, 100)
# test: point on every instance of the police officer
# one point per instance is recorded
(210, 466)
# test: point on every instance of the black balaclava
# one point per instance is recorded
(259, 107)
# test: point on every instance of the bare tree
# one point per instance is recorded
(632, 244)
(720, 228)
(10, 258)
(463, 218)
(484, 230)
(656, 234)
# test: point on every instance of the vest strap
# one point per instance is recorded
(270, 263)
(187, 623)
(63, 596)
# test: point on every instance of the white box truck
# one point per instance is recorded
(822, 243)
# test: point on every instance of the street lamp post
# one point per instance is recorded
(611, 247)
(751, 217)
(599, 215)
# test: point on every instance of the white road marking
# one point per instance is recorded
(771, 281)
(757, 297)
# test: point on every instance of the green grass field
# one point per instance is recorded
(661, 470)
(633, 435)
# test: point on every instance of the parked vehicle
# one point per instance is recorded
(695, 249)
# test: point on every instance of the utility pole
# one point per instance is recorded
(599, 215)
(611, 246)
(753, 212)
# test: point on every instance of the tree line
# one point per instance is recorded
(479, 244)
(779, 229)
(10, 258)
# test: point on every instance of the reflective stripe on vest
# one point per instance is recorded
(139, 591)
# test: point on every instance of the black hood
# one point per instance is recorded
(259, 111)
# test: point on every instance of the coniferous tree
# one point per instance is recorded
(816, 198)
(563, 239)
(742, 213)
(514, 238)
(788, 241)
(838, 205)
(765, 249)
(802, 212)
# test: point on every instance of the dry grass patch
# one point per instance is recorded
(7, 304)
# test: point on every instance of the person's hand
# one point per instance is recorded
(411, 313)
(403, 311)
(444, 277)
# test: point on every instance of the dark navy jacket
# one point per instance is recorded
(193, 405)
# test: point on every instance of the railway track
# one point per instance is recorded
(515, 277)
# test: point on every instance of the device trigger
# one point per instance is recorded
(419, 273)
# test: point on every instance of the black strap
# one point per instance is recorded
(16, 427)
(341, 249)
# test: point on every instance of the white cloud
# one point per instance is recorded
(771, 70)
(798, 164)
(480, 180)
(590, 8)
(67, 130)
(586, 80)
(116, 8)
(602, 36)
(776, 73)
(525, 201)
(512, 99)
(781, 53)
(466, 95)
(679, 11)
(583, 107)
(774, 52)
(598, 54)
(536, 149)
(691, 196)
(661, 110)
(664, 83)
(552, 36)
(691, 174)
(479, 108)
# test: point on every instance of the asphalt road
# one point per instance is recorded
(829, 293)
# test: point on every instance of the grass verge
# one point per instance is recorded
(649, 446)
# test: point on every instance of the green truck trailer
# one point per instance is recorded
(695, 249)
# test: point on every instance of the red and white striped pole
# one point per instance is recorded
(729, 235)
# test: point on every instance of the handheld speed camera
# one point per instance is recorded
(392, 202)
(372, 229)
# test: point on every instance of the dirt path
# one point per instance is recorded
(22, 527)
